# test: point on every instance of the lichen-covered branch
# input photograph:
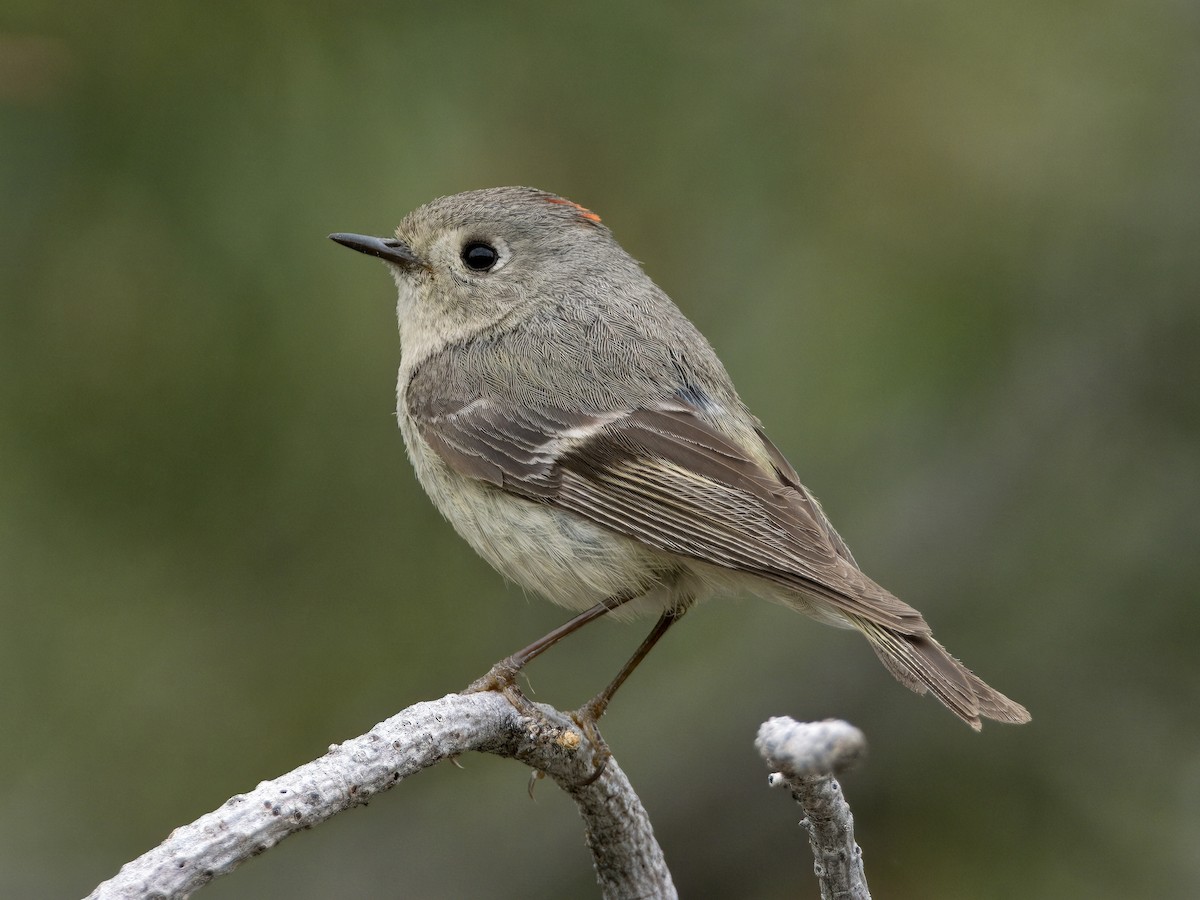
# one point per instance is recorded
(805, 756)
(627, 858)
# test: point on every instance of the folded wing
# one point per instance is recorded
(666, 477)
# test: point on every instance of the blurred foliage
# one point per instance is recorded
(949, 253)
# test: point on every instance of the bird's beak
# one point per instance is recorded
(387, 249)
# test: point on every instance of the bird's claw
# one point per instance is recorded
(585, 717)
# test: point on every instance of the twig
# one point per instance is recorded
(627, 858)
(805, 756)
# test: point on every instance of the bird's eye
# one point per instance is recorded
(479, 257)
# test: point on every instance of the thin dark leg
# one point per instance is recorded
(503, 675)
(595, 708)
(588, 714)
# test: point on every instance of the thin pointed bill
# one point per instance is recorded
(388, 249)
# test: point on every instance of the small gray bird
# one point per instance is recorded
(580, 433)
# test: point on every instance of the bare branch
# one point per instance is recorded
(628, 860)
(805, 756)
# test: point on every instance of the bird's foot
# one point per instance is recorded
(502, 678)
(586, 718)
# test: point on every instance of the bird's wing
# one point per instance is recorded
(667, 478)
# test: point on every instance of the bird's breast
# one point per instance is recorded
(560, 555)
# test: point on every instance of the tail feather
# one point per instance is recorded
(922, 664)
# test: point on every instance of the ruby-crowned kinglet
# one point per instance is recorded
(580, 433)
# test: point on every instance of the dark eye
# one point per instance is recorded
(479, 256)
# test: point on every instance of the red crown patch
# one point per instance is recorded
(584, 212)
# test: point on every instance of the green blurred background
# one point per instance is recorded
(950, 253)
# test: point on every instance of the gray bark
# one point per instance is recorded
(805, 756)
(627, 858)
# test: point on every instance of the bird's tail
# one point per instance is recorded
(922, 664)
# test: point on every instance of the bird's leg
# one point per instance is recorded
(589, 714)
(503, 675)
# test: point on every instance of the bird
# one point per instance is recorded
(581, 434)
